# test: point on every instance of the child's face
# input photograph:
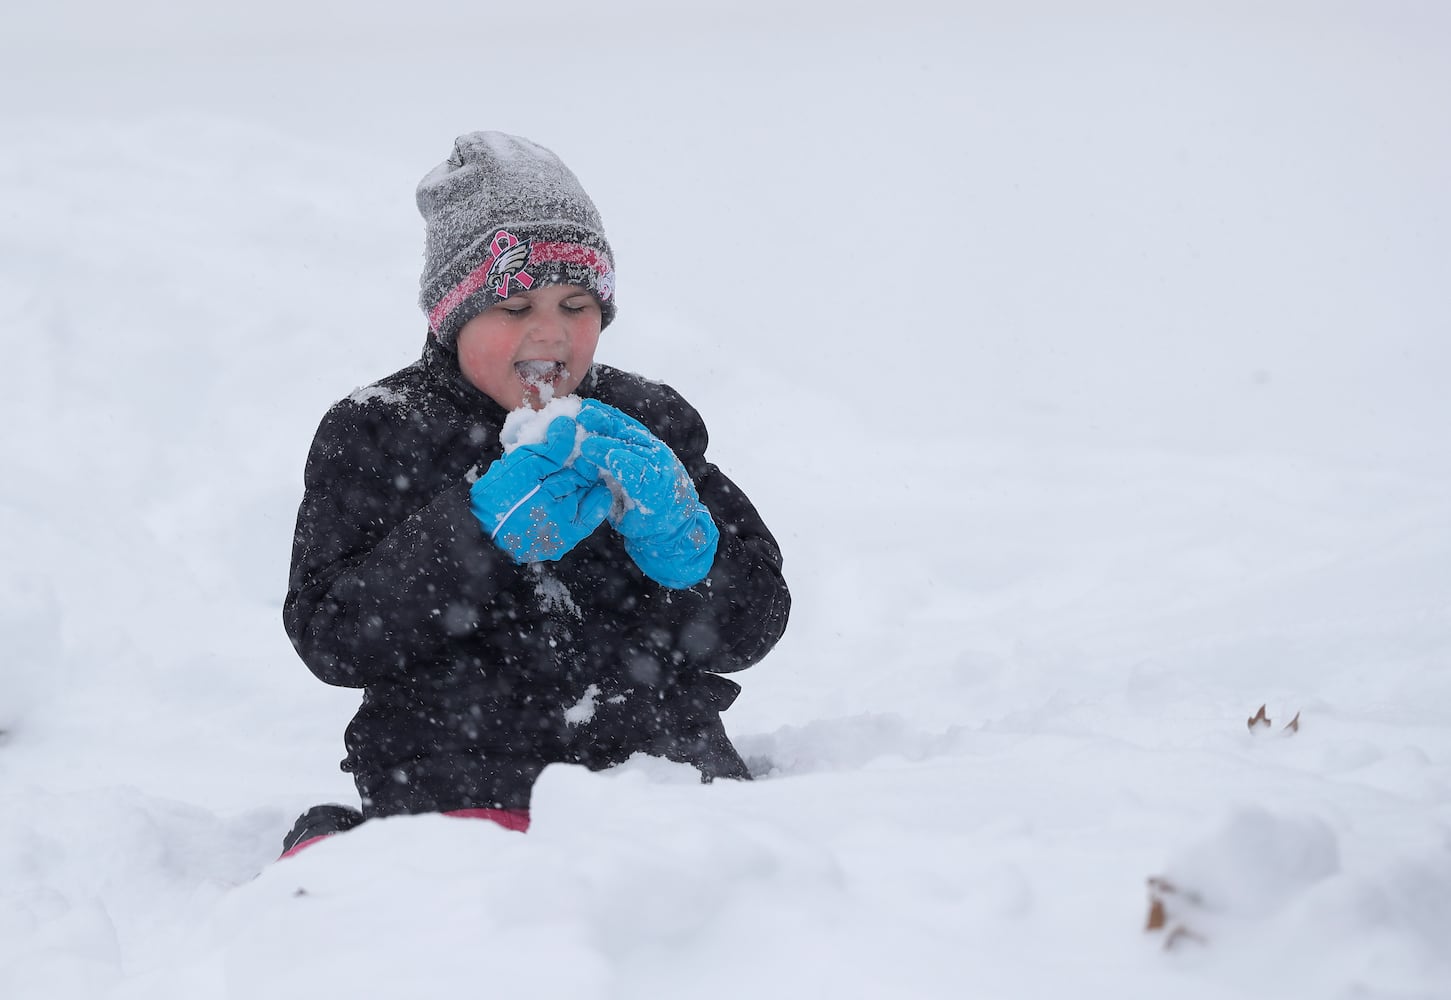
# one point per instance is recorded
(531, 347)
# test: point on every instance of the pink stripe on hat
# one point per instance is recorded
(570, 253)
(539, 253)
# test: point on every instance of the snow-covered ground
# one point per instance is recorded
(1090, 368)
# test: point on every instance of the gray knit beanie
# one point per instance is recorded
(503, 215)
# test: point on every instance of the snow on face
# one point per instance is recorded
(531, 347)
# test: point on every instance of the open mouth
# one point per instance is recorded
(539, 373)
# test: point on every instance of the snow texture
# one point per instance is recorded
(370, 392)
(583, 710)
(1089, 366)
(553, 595)
(529, 426)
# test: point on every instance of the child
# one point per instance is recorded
(511, 591)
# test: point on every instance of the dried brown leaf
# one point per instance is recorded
(1293, 726)
(1259, 719)
(1158, 916)
(1163, 893)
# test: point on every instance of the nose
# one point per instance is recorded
(547, 326)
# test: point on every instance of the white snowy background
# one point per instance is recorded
(1091, 366)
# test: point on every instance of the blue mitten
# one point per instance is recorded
(667, 530)
(534, 504)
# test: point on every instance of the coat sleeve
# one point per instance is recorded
(738, 613)
(379, 577)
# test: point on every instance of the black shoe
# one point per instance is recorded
(320, 821)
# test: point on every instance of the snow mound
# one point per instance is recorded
(1258, 863)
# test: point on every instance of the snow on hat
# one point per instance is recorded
(504, 215)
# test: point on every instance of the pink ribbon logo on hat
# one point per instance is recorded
(508, 257)
(507, 261)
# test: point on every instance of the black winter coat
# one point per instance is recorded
(477, 672)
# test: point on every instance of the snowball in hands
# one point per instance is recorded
(533, 502)
(526, 426)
